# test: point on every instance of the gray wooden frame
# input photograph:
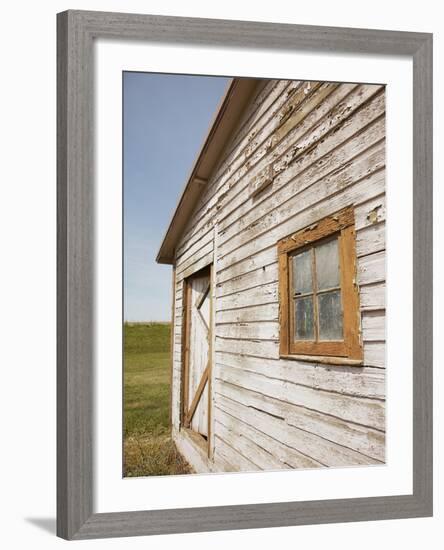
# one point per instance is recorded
(76, 31)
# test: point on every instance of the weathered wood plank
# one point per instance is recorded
(357, 382)
(372, 297)
(358, 438)
(263, 259)
(305, 171)
(368, 412)
(260, 330)
(316, 209)
(199, 263)
(371, 268)
(320, 449)
(258, 295)
(374, 352)
(203, 249)
(276, 455)
(193, 249)
(260, 348)
(266, 220)
(234, 459)
(235, 433)
(234, 175)
(301, 155)
(370, 212)
(370, 239)
(373, 325)
(255, 313)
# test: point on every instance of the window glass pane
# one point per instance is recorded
(330, 316)
(327, 264)
(302, 281)
(304, 328)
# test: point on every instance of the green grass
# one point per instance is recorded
(148, 447)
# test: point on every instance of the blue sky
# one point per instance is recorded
(166, 117)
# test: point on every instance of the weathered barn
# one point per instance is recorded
(278, 254)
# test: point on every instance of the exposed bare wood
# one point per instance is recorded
(197, 396)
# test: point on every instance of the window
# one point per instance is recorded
(318, 293)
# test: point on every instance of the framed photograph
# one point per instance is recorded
(244, 275)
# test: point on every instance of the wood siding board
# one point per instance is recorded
(237, 461)
(314, 147)
(285, 182)
(314, 446)
(364, 411)
(365, 382)
(261, 257)
(323, 204)
(237, 434)
(349, 176)
(358, 438)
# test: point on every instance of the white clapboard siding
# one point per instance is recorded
(268, 452)
(320, 449)
(266, 349)
(235, 433)
(372, 296)
(374, 352)
(371, 268)
(280, 220)
(233, 457)
(362, 382)
(283, 146)
(325, 146)
(199, 263)
(235, 176)
(191, 259)
(368, 411)
(261, 294)
(261, 276)
(314, 147)
(370, 212)
(373, 325)
(260, 330)
(352, 171)
(364, 212)
(353, 436)
(370, 239)
(255, 313)
(321, 205)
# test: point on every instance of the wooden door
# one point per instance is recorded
(197, 367)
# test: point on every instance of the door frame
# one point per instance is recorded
(184, 382)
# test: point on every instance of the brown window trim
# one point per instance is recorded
(349, 351)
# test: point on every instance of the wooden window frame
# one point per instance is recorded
(346, 351)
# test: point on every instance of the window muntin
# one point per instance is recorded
(319, 301)
(316, 292)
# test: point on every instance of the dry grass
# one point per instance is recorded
(152, 455)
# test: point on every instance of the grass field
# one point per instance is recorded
(148, 447)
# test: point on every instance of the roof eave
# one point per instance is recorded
(236, 97)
